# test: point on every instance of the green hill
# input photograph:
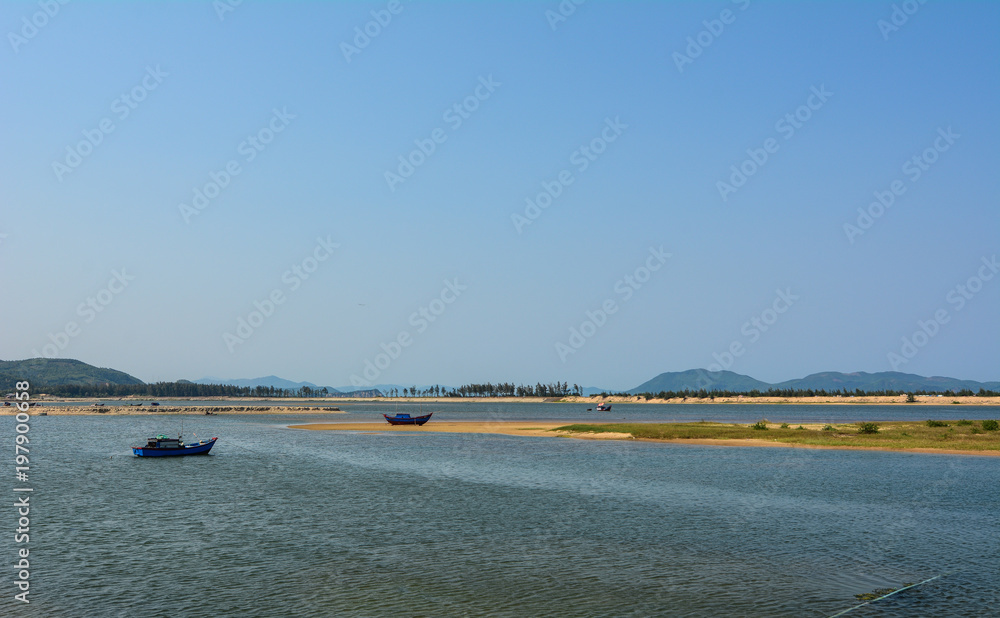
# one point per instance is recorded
(42, 372)
(697, 379)
(832, 381)
(882, 380)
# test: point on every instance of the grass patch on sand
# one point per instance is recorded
(901, 435)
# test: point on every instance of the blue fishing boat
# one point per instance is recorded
(604, 407)
(162, 446)
(406, 419)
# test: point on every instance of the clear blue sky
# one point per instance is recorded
(73, 215)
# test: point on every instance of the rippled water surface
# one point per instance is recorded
(279, 522)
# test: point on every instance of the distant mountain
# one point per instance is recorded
(274, 381)
(41, 372)
(282, 383)
(883, 380)
(365, 393)
(386, 388)
(695, 379)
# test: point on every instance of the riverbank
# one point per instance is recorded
(193, 409)
(949, 437)
(592, 401)
(881, 400)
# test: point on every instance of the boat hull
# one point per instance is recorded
(407, 420)
(193, 449)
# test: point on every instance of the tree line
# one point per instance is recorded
(797, 392)
(487, 389)
(175, 389)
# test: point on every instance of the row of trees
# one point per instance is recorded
(787, 392)
(175, 389)
(489, 389)
(509, 389)
(500, 389)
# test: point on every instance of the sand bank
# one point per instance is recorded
(544, 430)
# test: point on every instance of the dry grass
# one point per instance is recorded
(897, 435)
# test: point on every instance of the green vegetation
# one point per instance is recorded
(509, 389)
(900, 435)
(878, 593)
(724, 383)
(174, 389)
(784, 425)
(990, 425)
(690, 393)
(931, 423)
(868, 428)
(760, 425)
(58, 371)
(963, 422)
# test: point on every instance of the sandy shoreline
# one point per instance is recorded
(926, 400)
(281, 403)
(543, 430)
(162, 409)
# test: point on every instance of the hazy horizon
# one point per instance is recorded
(498, 191)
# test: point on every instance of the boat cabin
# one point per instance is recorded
(162, 441)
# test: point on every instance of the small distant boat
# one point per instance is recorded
(406, 419)
(604, 407)
(162, 446)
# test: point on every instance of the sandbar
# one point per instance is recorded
(544, 430)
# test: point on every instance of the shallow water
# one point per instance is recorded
(577, 412)
(285, 522)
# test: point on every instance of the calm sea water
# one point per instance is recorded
(279, 522)
(501, 410)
